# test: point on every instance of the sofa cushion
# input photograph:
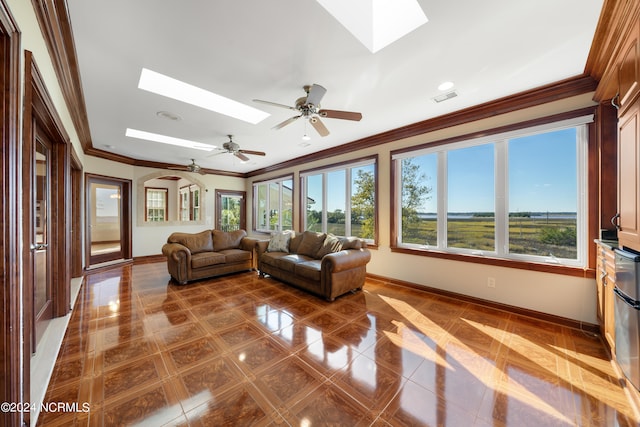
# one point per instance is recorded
(227, 239)
(311, 242)
(284, 262)
(330, 245)
(205, 259)
(235, 255)
(295, 242)
(279, 242)
(309, 269)
(195, 242)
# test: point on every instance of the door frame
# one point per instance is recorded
(125, 217)
(13, 341)
(243, 206)
(40, 113)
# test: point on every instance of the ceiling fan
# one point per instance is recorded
(193, 167)
(231, 147)
(309, 108)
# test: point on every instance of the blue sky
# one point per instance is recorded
(540, 177)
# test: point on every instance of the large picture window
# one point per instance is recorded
(341, 200)
(515, 195)
(273, 205)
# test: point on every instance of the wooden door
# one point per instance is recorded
(108, 219)
(42, 265)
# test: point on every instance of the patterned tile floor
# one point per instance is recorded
(244, 350)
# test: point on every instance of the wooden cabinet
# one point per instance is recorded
(628, 81)
(605, 282)
(629, 177)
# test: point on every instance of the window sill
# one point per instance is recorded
(531, 266)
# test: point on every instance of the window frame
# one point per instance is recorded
(346, 166)
(165, 192)
(279, 181)
(584, 156)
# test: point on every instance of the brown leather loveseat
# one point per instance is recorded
(192, 256)
(322, 264)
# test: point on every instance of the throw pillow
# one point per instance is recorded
(279, 242)
(331, 244)
(310, 243)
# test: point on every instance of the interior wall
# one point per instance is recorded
(556, 294)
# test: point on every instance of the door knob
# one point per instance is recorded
(38, 246)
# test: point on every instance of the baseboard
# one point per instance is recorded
(538, 315)
(149, 259)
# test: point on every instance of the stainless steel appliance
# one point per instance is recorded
(627, 313)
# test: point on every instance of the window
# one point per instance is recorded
(190, 203)
(516, 195)
(273, 205)
(341, 200)
(156, 204)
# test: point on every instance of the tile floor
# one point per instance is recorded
(244, 350)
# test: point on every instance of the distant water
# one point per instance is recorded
(534, 215)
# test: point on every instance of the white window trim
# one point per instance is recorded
(347, 168)
(255, 186)
(500, 141)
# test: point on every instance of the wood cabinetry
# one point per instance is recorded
(628, 80)
(605, 282)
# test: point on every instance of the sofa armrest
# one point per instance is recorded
(248, 244)
(345, 260)
(261, 247)
(176, 252)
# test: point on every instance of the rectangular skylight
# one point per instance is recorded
(148, 136)
(377, 23)
(181, 91)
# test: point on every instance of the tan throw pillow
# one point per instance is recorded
(310, 243)
(279, 242)
(330, 245)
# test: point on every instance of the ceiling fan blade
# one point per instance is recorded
(216, 154)
(319, 126)
(286, 122)
(337, 114)
(241, 156)
(315, 94)
(275, 104)
(255, 153)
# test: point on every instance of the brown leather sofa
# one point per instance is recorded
(324, 265)
(193, 256)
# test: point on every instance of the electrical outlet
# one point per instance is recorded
(491, 282)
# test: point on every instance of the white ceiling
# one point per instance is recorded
(268, 50)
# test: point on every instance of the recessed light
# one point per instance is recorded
(169, 116)
(181, 91)
(445, 86)
(164, 139)
(377, 23)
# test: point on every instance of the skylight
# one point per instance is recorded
(148, 136)
(377, 23)
(181, 91)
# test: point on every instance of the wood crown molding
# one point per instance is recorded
(614, 26)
